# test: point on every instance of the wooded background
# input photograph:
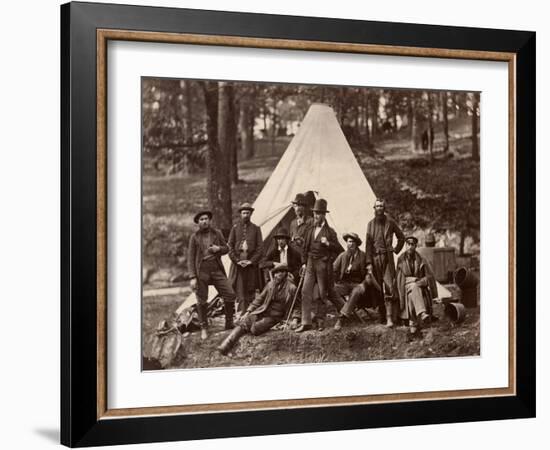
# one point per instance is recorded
(419, 149)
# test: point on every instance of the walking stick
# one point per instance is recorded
(293, 301)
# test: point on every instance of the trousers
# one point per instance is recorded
(318, 271)
(218, 279)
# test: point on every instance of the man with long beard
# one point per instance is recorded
(206, 247)
(245, 250)
(321, 247)
(380, 258)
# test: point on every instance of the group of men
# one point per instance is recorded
(307, 267)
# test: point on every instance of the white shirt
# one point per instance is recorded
(317, 230)
(283, 255)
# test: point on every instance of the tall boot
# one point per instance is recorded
(229, 310)
(389, 313)
(229, 342)
(203, 320)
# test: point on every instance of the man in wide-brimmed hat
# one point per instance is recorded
(245, 250)
(301, 223)
(267, 310)
(416, 286)
(283, 253)
(206, 246)
(321, 247)
(351, 279)
(380, 253)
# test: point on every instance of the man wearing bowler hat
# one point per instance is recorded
(321, 247)
(267, 310)
(352, 279)
(245, 250)
(206, 246)
(380, 253)
(416, 286)
(283, 253)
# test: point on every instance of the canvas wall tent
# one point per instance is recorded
(318, 159)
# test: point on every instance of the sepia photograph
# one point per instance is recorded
(306, 224)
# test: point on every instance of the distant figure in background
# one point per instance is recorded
(245, 250)
(283, 253)
(409, 228)
(416, 286)
(321, 247)
(206, 247)
(380, 263)
(267, 310)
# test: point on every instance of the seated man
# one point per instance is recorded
(350, 272)
(268, 309)
(416, 286)
(283, 253)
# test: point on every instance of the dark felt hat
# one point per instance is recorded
(310, 198)
(202, 213)
(246, 207)
(411, 238)
(353, 236)
(320, 206)
(281, 233)
(300, 199)
(280, 268)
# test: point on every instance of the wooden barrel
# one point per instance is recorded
(467, 282)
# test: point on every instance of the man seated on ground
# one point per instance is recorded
(416, 286)
(266, 311)
(283, 253)
(351, 279)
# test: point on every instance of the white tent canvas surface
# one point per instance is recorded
(318, 159)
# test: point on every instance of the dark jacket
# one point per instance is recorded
(253, 235)
(271, 304)
(359, 265)
(293, 256)
(422, 271)
(313, 248)
(298, 232)
(390, 229)
(195, 254)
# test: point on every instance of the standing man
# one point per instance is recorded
(321, 247)
(267, 310)
(416, 286)
(245, 250)
(380, 253)
(206, 246)
(299, 227)
(352, 280)
(301, 223)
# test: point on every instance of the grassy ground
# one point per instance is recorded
(357, 342)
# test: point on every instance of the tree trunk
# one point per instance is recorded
(366, 118)
(217, 180)
(444, 100)
(413, 125)
(475, 142)
(188, 112)
(227, 129)
(246, 130)
(430, 127)
(374, 100)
